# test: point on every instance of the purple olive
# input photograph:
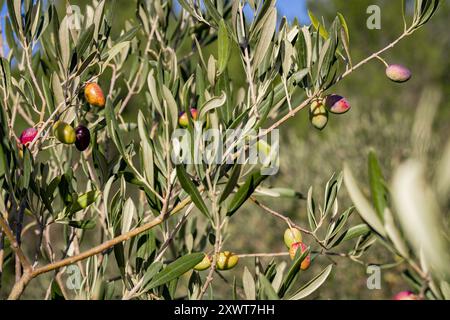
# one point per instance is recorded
(336, 104)
(398, 73)
(83, 138)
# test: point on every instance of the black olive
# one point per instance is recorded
(83, 138)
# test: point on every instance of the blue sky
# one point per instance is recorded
(289, 8)
(292, 9)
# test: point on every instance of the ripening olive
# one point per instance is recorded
(226, 260)
(28, 136)
(293, 250)
(94, 95)
(204, 264)
(292, 235)
(83, 138)
(183, 119)
(336, 104)
(398, 73)
(406, 295)
(318, 115)
(64, 132)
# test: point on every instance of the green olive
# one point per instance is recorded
(204, 264)
(64, 132)
(226, 260)
(292, 235)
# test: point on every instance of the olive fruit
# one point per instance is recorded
(303, 247)
(204, 264)
(226, 260)
(318, 115)
(28, 135)
(83, 138)
(406, 295)
(94, 95)
(291, 236)
(183, 119)
(64, 132)
(336, 104)
(398, 73)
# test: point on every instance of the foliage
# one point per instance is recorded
(127, 187)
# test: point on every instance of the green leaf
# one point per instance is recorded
(212, 104)
(85, 41)
(113, 128)
(311, 209)
(293, 272)
(56, 293)
(212, 11)
(111, 53)
(14, 11)
(312, 285)
(172, 106)
(318, 26)
(58, 92)
(353, 232)
(331, 191)
(82, 224)
(377, 185)
(268, 288)
(129, 35)
(150, 273)
(266, 5)
(64, 42)
(6, 72)
(2, 161)
(147, 150)
(344, 26)
(98, 17)
(84, 200)
(394, 234)
(245, 191)
(278, 193)
(420, 216)
(224, 48)
(191, 189)
(231, 183)
(363, 206)
(128, 213)
(249, 285)
(265, 38)
(176, 269)
(27, 169)
(151, 81)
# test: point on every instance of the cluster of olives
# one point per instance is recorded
(293, 240)
(320, 107)
(183, 120)
(64, 132)
(224, 261)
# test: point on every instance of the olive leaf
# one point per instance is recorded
(192, 190)
(175, 270)
(245, 191)
(313, 284)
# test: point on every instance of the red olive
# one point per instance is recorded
(303, 247)
(83, 138)
(28, 136)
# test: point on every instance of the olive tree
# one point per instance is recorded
(146, 188)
